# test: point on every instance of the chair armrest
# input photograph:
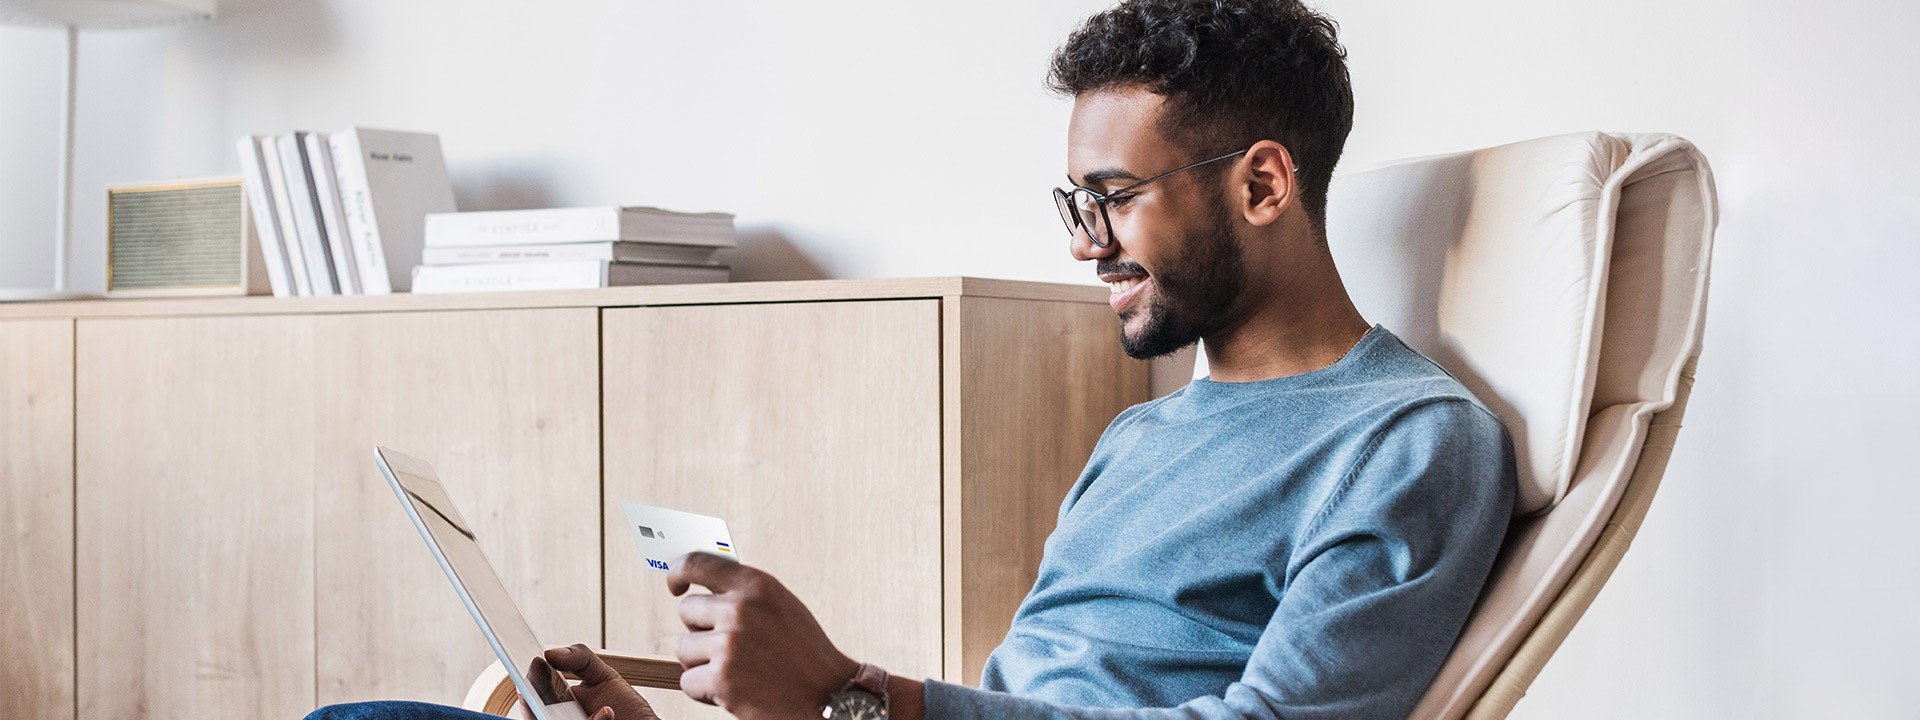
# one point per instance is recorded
(493, 692)
(651, 672)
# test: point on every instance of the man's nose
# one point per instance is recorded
(1082, 247)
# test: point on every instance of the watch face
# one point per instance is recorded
(854, 705)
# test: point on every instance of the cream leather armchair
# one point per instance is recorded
(1563, 280)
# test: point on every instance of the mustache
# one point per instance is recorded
(1110, 266)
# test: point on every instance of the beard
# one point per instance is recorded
(1193, 296)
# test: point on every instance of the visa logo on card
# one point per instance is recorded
(665, 534)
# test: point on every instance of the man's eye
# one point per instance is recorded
(1119, 200)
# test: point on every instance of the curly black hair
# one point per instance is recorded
(1234, 72)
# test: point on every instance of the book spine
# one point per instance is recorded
(515, 276)
(558, 275)
(345, 269)
(534, 227)
(306, 215)
(283, 213)
(516, 253)
(603, 251)
(356, 203)
(265, 226)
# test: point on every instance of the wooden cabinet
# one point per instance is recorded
(36, 519)
(222, 546)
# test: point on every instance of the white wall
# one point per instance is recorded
(30, 67)
(1774, 578)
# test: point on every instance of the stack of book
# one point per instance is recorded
(571, 249)
(342, 213)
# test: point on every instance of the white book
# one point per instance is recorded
(557, 275)
(581, 224)
(266, 224)
(389, 182)
(306, 214)
(603, 251)
(283, 213)
(332, 218)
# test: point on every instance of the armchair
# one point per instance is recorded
(1563, 280)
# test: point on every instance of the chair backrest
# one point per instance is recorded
(1562, 280)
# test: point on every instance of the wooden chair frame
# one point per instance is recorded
(1520, 670)
(493, 692)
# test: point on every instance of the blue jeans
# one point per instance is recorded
(396, 710)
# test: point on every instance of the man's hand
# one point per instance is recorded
(601, 691)
(752, 647)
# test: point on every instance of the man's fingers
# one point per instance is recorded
(580, 660)
(700, 683)
(696, 649)
(704, 569)
(706, 612)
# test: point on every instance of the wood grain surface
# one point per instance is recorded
(194, 492)
(813, 428)
(1030, 387)
(36, 519)
(504, 403)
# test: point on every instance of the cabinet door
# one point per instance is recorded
(1030, 387)
(505, 404)
(194, 468)
(814, 430)
(36, 519)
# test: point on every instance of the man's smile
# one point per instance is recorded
(1127, 281)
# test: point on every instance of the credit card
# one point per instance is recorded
(665, 534)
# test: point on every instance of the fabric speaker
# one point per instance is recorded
(182, 237)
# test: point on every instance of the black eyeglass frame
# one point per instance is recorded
(1070, 210)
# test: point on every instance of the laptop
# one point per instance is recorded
(457, 549)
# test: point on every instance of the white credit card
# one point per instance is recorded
(665, 534)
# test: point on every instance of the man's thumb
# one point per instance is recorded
(605, 713)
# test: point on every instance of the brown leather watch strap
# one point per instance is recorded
(871, 679)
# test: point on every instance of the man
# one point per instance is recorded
(1299, 535)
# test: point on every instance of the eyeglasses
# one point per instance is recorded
(1085, 211)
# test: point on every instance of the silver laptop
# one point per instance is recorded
(453, 544)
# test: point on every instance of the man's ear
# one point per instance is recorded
(1268, 183)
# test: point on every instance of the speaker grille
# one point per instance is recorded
(177, 237)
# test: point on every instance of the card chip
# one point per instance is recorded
(645, 531)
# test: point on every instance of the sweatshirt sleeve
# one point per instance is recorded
(1377, 591)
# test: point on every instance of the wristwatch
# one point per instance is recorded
(863, 698)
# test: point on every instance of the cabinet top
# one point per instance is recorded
(640, 295)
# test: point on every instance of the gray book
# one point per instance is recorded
(389, 181)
